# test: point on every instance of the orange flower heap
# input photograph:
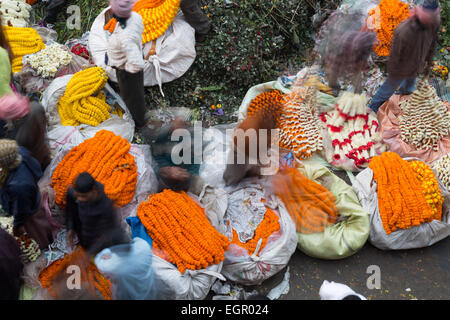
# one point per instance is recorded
(401, 200)
(265, 229)
(53, 278)
(266, 103)
(181, 232)
(106, 157)
(311, 206)
(391, 13)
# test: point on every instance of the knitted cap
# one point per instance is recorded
(13, 107)
(430, 4)
(10, 157)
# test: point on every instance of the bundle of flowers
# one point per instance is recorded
(405, 198)
(53, 278)
(300, 123)
(181, 231)
(311, 206)
(387, 16)
(353, 130)
(442, 169)
(268, 102)
(23, 41)
(425, 119)
(15, 13)
(106, 157)
(47, 61)
(83, 101)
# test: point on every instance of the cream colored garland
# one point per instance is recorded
(15, 13)
(441, 168)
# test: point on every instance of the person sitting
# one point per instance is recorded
(11, 267)
(92, 216)
(19, 192)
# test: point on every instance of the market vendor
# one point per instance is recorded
(125, 55)
(19, 192)
(412, 51)
(92, 216)
(196, 18)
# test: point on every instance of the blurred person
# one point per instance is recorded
(53, 8)
(412, 51)
(349, 59)
(196, 18)
(19, 192)
(11, 267)
(92, 216)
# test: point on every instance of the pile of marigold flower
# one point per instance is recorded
(392, 13)
(53, 278)
(181, 231)
(268, 102)
(106, 157)
(404, 196)
(311, 206)
(265, 229)
(83, 101)
(23, 41)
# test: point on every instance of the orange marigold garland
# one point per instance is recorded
(53, 278)
(267, 103)
(391, 14)
(401, 199)
(106, 157)
(311, 206)
(181, 232)
(269, 225)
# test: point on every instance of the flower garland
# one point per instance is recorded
(354, 132)
(157, 16)
(392, 13)
(80, 104)
(91, 278)
(47, 61)
(430, 187)
(15, 13)
(442, 169)
(106, 157)
(425, 118)
(401, 200)
(23, 41)
(266, 102)
(181, 232)
(311, 206)
(299, 122)
(265, 229)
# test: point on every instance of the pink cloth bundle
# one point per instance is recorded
(122, 8)
(14, 106)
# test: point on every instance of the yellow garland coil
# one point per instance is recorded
(83, 101)
(157, 16)
(23, 41)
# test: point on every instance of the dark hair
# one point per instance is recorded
(84, 183)
(352, 297)
(4, 42)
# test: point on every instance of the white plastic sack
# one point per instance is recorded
(175, 51)
(244, 269)
(129, 267)
(171, 284)
(59, 135)
(420, 236)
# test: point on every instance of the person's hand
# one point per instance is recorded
(70, 238)
(178, 123)
(174, 173)
(18, 231)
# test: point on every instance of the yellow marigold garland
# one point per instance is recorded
(392, 13)
(106, 157)
(23, 41)
(181, 231)
(83, 102)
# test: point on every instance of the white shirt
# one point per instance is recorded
(125, 45)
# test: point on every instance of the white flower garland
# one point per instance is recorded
(442, 169)
(15, 13)
(47, 61)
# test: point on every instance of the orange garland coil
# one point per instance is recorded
(106, 157)
(266, 103)
(269, 225)
(311, 206)
(181, 231)
(401, 199)
(53, 278)
(389, 14)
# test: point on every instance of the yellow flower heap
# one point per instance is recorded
(22, 41)
(157, 16)
(83, 101)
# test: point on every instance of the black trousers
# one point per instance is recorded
(131, 86)
(195, 16)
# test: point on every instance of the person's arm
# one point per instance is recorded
(71, 210)
(432, 51)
